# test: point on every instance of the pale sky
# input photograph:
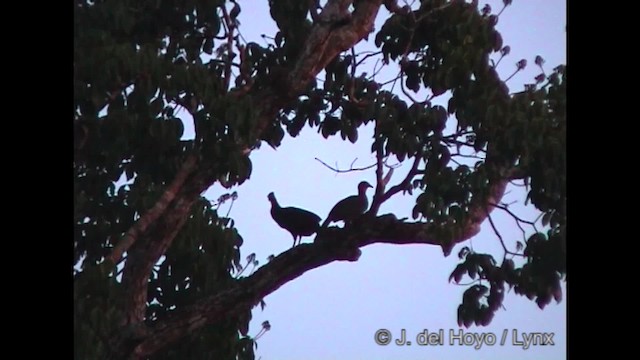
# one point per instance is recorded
(334, 311)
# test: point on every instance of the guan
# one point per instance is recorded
(350, 208)
(297, 221)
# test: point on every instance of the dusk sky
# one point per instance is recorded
(334, 311)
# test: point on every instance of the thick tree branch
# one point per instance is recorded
(154, 213)
(246, 293)
(337, 32)
(331, 244)
(146, 252)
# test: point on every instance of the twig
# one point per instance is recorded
(376, 71)
(230, 26)
(378, 200)
(478, 280)
(405, 91)
(395, 166)
(501, 10)
(467, 156)
(505, 208)
(512, 75)
(230, 207)
(517, 185)
(517, 219)
(370, 54)
(384, 163)
(396, 80)
(495, 230)
(457, 134)
(352, 85)
(348, 170)
(379, 181)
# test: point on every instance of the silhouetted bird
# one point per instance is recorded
(350, 208)
(298, 222)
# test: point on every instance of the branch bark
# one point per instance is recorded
(331, 244)
(141, 226)
(146, 252)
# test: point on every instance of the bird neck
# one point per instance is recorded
(274, 204)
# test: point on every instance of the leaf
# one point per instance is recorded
(235, 11)
(473, 271)
(415, 213)
(497, 41)
(486, 318)
(522, 64)
(207, 47)
(352, 134)
(440, 115)
(129, 172)
(508, 265)
(543, 301)
(468, 321)
(451, 106)
(457, 273)
(156, 106)
(486, 10)
(557, 294)
(116, 104)
(463, 252)
(456, 213)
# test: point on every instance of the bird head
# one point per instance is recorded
(363, 186)
(272, 197)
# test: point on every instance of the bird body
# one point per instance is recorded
(298, 222)
(351, 207)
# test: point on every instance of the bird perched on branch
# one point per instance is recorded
(297, 221)
(350, 208)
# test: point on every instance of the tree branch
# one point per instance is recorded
(350, 169)
(327, 40)
(378, 200)
(146, 252)
(154, 213)
(380, 186)
(331, 244)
